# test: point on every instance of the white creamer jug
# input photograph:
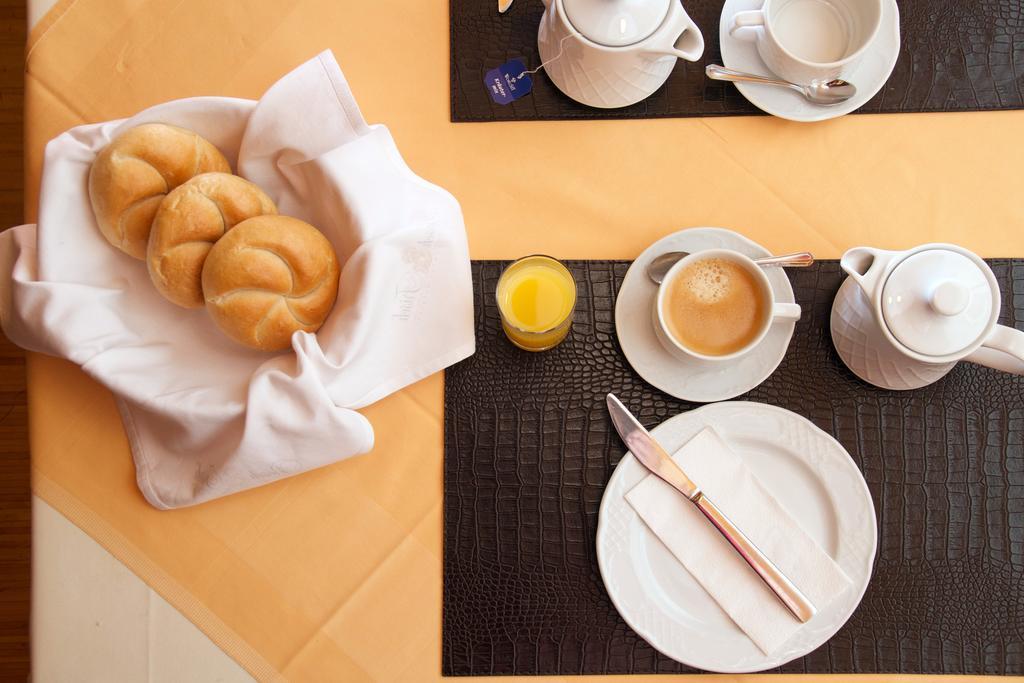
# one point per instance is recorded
(613, 53)
(903, 319)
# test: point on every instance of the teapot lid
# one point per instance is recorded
(939, 302)
(616, 22)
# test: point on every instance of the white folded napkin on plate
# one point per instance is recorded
(691, 538)
(204, 415)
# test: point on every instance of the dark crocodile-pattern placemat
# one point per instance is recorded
(956, 55)
(529, 448)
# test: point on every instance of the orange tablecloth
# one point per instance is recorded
(336, 574)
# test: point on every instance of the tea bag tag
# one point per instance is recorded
(511, 80)
(508, 82)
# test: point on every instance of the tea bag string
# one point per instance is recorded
(561, 50)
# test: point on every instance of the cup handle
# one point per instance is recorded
(1003, 350)
(747, 26)
(785, 312)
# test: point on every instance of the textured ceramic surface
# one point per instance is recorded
(692, 379)
(600, 86)
(611, 77)
(940, 298)
(800, 465)
(868, 354)
(874, 69)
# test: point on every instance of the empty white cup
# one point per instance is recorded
(810, 40)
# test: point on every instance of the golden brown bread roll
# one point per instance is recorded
(190, 219)
(268, 277)
(133, 173)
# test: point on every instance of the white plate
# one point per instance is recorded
(869, 77)
(695, 380)
(807, 470)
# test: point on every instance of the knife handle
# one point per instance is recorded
(790, 595)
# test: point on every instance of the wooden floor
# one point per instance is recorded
(14, 465)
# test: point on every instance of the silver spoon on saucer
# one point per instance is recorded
(827, 93)
(660, 265)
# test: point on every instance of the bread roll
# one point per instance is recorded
(133, 173)
(190, 219)
(268, 277)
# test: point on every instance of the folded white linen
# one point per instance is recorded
(729, 483)
(206, 417)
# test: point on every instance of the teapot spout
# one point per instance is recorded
(679, 36)
(690, 44)
(867, 266)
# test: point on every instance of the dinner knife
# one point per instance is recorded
(652, 456)
(503, 5)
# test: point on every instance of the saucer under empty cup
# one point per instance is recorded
(868, 72)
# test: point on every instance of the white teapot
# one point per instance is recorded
(613, 53)
(904, 318)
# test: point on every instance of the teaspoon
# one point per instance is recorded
(660, 265)
(827, 93)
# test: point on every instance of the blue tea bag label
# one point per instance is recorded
(508, 82)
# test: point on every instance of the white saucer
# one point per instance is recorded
(695, 380)
(869, 77)
(800, 465)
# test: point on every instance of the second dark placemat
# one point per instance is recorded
(529, 448)
(956, 55)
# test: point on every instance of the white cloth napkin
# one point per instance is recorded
(730, 484)
(205, 416)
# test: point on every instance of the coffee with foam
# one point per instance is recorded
(715, 307)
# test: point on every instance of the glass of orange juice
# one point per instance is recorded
(536, 298)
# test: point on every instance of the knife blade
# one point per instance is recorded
(648, 451)
(651, 455)
(503, 5)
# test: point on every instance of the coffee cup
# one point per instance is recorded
(716, 305)
(810, 40)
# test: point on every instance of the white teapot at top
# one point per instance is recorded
(613, 53)
(904, 318)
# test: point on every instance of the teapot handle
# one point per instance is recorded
(1003, 350)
